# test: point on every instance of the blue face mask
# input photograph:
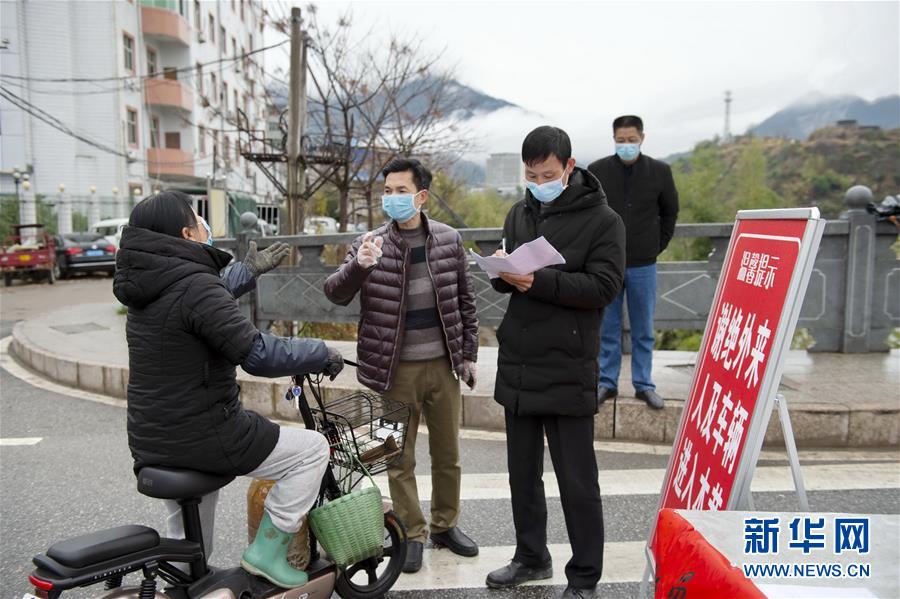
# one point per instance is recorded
(546, 192)
(400, 206)
(209, 239)
(628, 152)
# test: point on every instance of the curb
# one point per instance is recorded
(868, 425)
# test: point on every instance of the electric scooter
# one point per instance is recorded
(365, 433)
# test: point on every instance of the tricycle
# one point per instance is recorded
(30, 254)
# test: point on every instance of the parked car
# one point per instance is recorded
(85, 252)
(111, 229)
(320, 225)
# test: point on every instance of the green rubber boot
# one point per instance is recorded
(267, 556)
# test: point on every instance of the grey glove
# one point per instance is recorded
(335, 363)
(261, 262)
(469, 373)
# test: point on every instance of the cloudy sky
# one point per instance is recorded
(579, 64)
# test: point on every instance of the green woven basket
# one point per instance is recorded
(350, 528)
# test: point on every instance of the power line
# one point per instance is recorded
(136, 76)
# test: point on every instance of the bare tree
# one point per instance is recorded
(373, 102)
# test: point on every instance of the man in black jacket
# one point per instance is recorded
(547, 365)
(643, 192)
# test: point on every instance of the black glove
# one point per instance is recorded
(334, 365)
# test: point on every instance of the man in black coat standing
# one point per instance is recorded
(547, 365)
(642, 191)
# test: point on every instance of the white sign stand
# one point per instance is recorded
(741, 495)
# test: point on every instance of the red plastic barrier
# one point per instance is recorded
(688, 567)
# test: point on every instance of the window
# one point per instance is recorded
(200, 78)
(154, 132)
(237, 103)
(173, 140)
(131, 126)
(215, 147)
(151, 62)
(212, 29)
(225, 96)
(234, 46)
(128, 46)
(242, 9)
(227, 153)
(201, 140)
(198, 20)
(223, 40)
(233, 7)
(213, 88)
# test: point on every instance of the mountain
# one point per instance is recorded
(462, 101)
(800, 119)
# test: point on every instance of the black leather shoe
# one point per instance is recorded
(515, 573)
(576, 593)
(456, 541)
(652, 398)
(413, 561)
(607, 393)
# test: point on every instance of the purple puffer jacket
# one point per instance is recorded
(383, 300)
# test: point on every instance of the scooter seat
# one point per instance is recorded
(169, 483)
(104, 545)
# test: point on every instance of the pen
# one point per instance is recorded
(503, 241)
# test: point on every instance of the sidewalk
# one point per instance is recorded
(835, 400)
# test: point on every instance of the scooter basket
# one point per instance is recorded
(351, 527)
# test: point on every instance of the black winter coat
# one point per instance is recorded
(185, 335)
(549, 337)
(646, 199)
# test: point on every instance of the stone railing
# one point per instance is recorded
(851, 305)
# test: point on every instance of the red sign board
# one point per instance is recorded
(742, 323)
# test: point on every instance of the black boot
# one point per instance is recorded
(515, 574)
(576, 593)
(413, 561)
(456, 541)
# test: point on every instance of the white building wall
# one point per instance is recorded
(48, 38)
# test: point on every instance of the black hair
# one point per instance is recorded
(546, 141)
(167, 213)
(628, 120)
(421, 175)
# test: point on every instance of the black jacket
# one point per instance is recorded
(549, 337)
(185, 335)
(644, 195)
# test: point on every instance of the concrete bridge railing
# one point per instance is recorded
(851, 305)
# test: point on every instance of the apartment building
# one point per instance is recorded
(131, 95)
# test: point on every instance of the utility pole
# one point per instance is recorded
(296, 166)
(726, 133)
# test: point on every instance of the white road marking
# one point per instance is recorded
(834, 477)
(10, 441)
(441, 569)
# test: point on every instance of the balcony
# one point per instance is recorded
(170, 162)
(168, 93)
(165, 25)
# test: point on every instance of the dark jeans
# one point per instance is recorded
(571, 441)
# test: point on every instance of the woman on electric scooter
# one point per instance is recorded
(185, 336)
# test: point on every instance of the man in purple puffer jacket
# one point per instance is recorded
(418, 337)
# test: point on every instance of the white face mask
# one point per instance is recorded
(549, 191)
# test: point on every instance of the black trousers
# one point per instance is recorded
(571, 441)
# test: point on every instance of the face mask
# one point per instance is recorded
(628, 152)
(209, 239)
(400, 206)
(546, 192)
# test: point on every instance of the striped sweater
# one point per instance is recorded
(423, 336)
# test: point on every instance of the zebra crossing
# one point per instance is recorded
(631, 475)
(100, 493)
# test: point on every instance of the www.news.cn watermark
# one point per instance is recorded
(814, 536)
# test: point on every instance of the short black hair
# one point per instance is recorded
(167, 213)
(421, 175)
(546, 141)
(628, 120)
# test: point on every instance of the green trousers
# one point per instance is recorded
(431, 391)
